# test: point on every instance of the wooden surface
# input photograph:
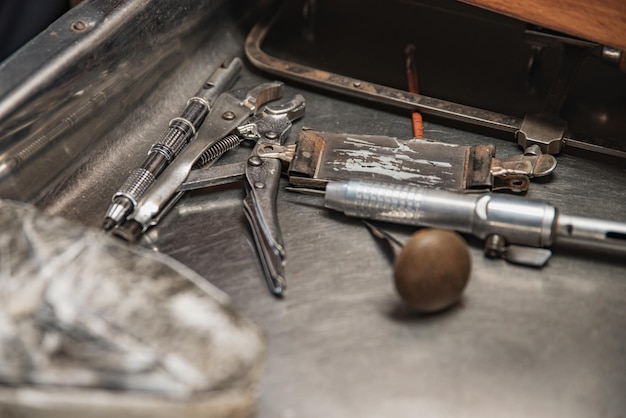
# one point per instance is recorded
(601, 21)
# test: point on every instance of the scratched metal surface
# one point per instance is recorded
(386, 159)
(524, 342)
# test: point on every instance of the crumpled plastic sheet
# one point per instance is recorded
(82, 313)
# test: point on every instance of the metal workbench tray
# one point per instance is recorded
(80, 106)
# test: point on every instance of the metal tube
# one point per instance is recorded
(577, 230)
(518, 221)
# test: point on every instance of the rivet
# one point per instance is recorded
(228, 115)
(357, 84)
(255, 161)
(271, 135)
(259, 185)
(79, 26)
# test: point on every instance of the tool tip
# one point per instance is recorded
(305, 190)
(108, 224)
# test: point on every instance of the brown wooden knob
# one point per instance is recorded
(432, 270)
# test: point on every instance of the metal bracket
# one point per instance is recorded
(542, 130)
(280, 152)
(321, 157)
(532, 164)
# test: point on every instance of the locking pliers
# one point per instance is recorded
(234, 118)
(261, 174)
(230, 110)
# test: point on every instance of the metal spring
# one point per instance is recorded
(66, 123)
(216, 150)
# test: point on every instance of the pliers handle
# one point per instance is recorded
(262, 177)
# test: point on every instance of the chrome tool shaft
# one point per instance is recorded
(180, 132)
(515, 228)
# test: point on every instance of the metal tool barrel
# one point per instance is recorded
(598, 233)
(519, 221)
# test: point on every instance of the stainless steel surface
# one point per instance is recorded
(548, 343)
(100, 74)
(23, 151)
(524, 342)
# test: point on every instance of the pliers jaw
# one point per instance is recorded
(262, 177)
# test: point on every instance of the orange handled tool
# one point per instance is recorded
(411, 72)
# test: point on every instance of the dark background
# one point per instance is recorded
(20, 20)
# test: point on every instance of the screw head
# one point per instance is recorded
(228, 115)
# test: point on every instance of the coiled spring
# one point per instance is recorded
(216, 150)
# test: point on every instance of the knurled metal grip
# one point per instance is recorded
(520, 221)
(136, 185)
(394, 201)
(182, 129)
(174, 139)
